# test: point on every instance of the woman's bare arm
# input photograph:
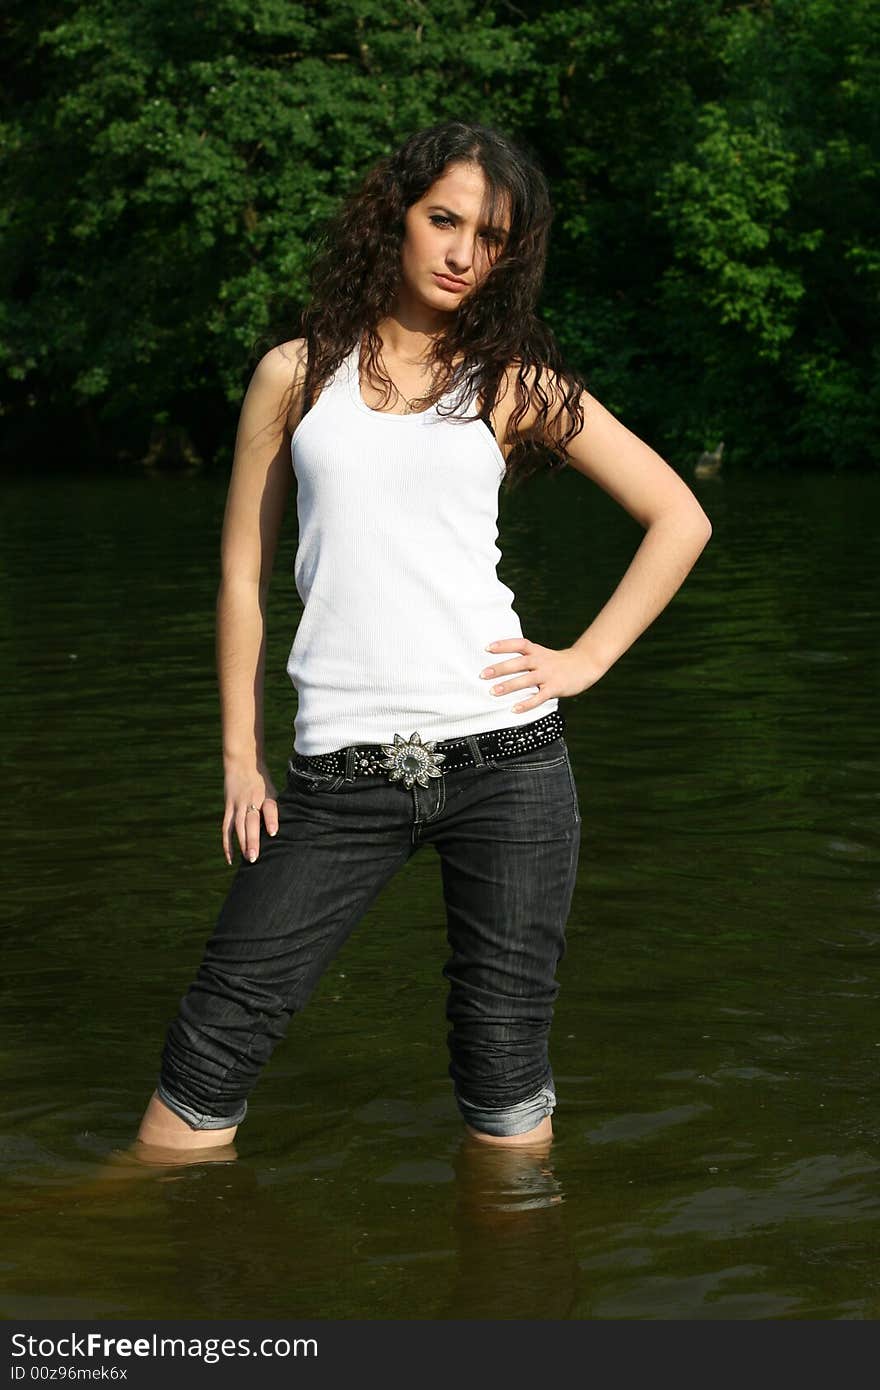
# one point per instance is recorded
(676, 528)
(676, 531)
(258, 491)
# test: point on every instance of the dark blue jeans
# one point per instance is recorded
(508, 836)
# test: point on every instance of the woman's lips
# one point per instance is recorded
(448, 283)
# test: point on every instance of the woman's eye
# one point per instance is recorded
(487, 236)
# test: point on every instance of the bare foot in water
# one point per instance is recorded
(141, 1156)
(139, 1161)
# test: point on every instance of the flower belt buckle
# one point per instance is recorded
(410, 760)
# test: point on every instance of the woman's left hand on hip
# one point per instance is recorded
(562, 673)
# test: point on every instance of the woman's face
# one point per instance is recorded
(446, 236)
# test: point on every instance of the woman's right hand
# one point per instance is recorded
(245, 786)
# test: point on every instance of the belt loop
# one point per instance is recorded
(476, 750)
(350, 752)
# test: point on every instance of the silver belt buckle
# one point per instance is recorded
(410, 760)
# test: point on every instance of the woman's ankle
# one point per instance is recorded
(161, 1128)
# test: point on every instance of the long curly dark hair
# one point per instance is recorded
(355, 274)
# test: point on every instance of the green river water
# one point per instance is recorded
(716, 1042)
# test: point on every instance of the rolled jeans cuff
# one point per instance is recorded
(509, 1119)
(196, 1119)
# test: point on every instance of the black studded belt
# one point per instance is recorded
(409, 760)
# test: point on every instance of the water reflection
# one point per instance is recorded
(514, 1255)
(250, 1223)
(716, 1043)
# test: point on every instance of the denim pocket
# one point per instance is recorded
(312, 779)
(540, 778)
(552, 754)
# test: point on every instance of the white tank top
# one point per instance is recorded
(395, 567)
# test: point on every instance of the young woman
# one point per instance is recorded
(422, 382)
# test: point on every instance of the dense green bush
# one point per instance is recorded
(714, 272)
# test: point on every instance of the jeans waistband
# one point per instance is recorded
(409, 760)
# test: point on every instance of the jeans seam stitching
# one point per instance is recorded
(506, 764)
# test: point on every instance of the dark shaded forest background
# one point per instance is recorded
(714, 266)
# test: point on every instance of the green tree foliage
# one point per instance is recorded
(713, 272)
(771, 215)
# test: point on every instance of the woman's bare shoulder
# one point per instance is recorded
(516, 370)
(512, 379)
(282, 369)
